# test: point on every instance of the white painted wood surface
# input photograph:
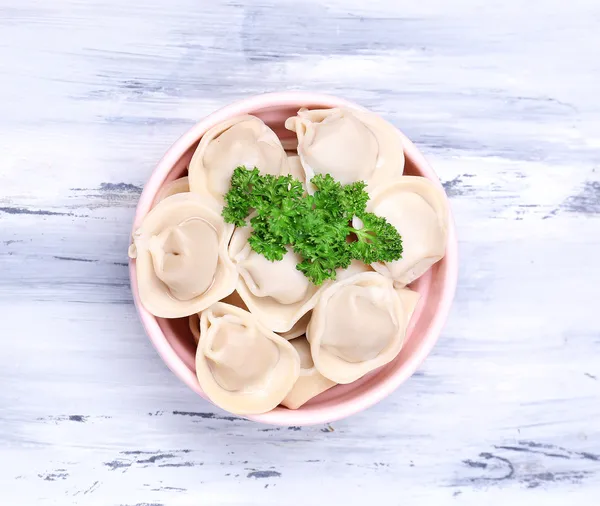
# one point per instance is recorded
(503, 99)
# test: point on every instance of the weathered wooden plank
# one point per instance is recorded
(502, 100)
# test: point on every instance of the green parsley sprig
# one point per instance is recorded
(318, 227)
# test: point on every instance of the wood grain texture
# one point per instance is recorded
(502, 99)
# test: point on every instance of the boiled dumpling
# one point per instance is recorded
(180, 185)
(233, 299)
(277, 293)
(244, 140)
(310, 383)
(299, 328)
(181, 257)
(351, 145)
(334, 141)
(419, 210)
(242, 366)
(359, 325)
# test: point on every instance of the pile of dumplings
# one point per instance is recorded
(266, 336)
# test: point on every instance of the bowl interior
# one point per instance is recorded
(435, 287)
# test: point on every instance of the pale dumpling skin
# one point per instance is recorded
(355, 267)
(296, 169)
(310, 382)
(418, 209)
(351, 145)
(180, 185)
(358, 325)
(277, 293)
(233, 299)
(299, 328)
(244, 140)
(242, 366)
(181, 257)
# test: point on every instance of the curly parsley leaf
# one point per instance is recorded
(239, 199)
(376, 240)
(317, 227)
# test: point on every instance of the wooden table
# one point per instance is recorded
(504, 101)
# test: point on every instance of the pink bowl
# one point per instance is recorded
(173, 340)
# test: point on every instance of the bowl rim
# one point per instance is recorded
(363, 399)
